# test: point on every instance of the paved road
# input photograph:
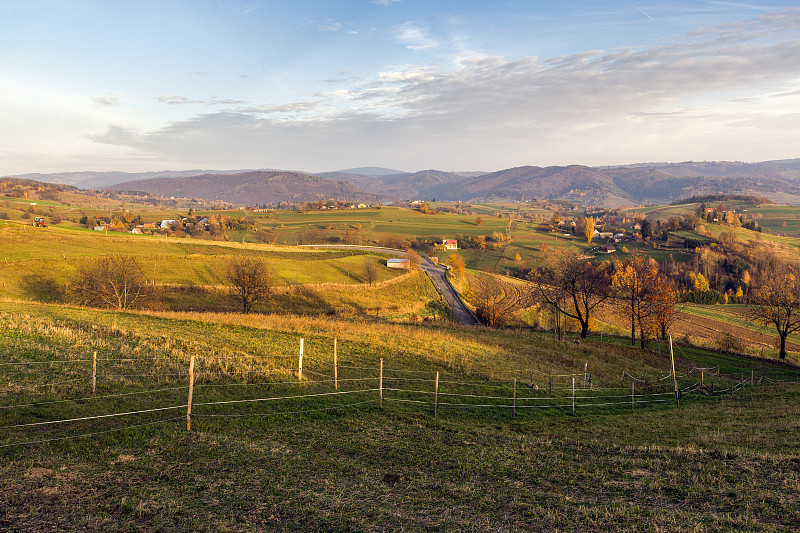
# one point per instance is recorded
(437, 274)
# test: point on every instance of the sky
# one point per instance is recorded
(458, 85)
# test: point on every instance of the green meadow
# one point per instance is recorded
(269, 451)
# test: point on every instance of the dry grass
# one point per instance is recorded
(721, 464)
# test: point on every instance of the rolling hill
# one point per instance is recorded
(254, 188)
(594, 186)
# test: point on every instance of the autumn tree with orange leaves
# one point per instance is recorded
(633, 281)
(658, 308)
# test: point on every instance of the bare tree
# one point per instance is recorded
(250, 281)
(489, 308)
(115, 281)
(776, 301)
(574, 287)
(371, 274)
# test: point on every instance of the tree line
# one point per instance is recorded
(647, 292)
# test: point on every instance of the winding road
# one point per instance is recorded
(436, 273)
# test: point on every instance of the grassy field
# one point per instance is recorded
(337, 463)
(269, 451)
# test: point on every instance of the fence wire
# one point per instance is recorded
(398, 386)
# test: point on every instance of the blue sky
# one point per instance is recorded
(406, 84)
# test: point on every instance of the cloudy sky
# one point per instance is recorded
(405, 84)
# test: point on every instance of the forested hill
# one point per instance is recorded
(254, 188)
(653, 183)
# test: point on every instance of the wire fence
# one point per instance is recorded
(203, 390)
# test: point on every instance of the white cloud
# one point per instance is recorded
(384, 3)
(108, 98)
(246, 9)
(330, 25)
(173, 99)
(703, 96)
(415, 37)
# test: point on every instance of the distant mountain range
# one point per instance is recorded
(257, 187)
(593, 186)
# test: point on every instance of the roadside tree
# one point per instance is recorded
(457, 265)
(414, 260)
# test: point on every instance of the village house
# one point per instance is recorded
(608, 249)
(450, 244)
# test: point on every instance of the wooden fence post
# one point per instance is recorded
(585, 371)
(191, 390)
(380, 386)
(751, 378)
(94, 371)
(514, 402)
(335, 367)
(674, 375)
(300, 362)
(573, 395)
(633, 394)
(436, 396)
(550, 385)
(702, 378)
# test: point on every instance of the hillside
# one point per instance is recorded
(613, 186)
(101, 180)
(258, 187)
(270, 451)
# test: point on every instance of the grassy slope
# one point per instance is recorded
(56, 251)
(721, 464)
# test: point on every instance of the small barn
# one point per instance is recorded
(397, 263)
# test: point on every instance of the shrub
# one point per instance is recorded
(708, 297)
(250, 281)
(115, 281)
(728, 343)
